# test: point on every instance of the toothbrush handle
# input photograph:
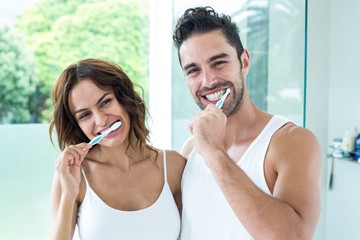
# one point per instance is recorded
(219, 103)
(95, 140)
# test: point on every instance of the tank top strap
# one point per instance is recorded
(86, 181)
(164, 163)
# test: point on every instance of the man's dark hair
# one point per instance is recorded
(202, 20)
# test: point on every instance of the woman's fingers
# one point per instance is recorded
(73, 154)
(77, 153)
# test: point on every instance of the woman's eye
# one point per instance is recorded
(84, 115)
(105, 102)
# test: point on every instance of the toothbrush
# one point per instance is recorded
(113, 127)
(222, 99)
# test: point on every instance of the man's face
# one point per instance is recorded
(211, 65)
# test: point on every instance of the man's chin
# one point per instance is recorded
(201, 105)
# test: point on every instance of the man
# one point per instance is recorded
(249, 175)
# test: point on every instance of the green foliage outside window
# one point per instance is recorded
(17, 79)
(61, 32)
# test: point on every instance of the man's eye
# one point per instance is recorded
(191, 71)
(219, 63)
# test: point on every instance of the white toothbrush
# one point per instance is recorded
(222, 99)
(113, 127)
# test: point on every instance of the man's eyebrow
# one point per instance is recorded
(97, 103)
(190, 65)
(221, 55)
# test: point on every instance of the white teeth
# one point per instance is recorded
(104, 130)
(215, 96)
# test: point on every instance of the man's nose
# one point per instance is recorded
(207, 79)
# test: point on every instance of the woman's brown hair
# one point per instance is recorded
(107, 76)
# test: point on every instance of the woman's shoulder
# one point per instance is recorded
(175, 164)
(175, 158)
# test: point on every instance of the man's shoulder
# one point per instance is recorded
(291, 130)
(294, 140)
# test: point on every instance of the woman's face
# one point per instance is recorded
(95, 110)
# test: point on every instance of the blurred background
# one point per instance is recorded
(304, 57)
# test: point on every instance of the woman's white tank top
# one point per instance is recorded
(160, 221)
(206, 213)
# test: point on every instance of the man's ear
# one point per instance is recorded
(245, 61)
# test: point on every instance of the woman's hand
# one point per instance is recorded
(68, 166)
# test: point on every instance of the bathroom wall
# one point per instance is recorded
(333, 86)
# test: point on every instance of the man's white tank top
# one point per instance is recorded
(161, 221)
(206, 213)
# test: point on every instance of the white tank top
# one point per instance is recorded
(161, 221)
(206, 213)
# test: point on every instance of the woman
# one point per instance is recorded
(122, 187)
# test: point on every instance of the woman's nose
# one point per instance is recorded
(101, 118)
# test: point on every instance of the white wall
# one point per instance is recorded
(344, 94)
(160, 73)
(333, 84)
(318, 87)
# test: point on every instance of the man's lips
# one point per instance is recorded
(214, 96)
